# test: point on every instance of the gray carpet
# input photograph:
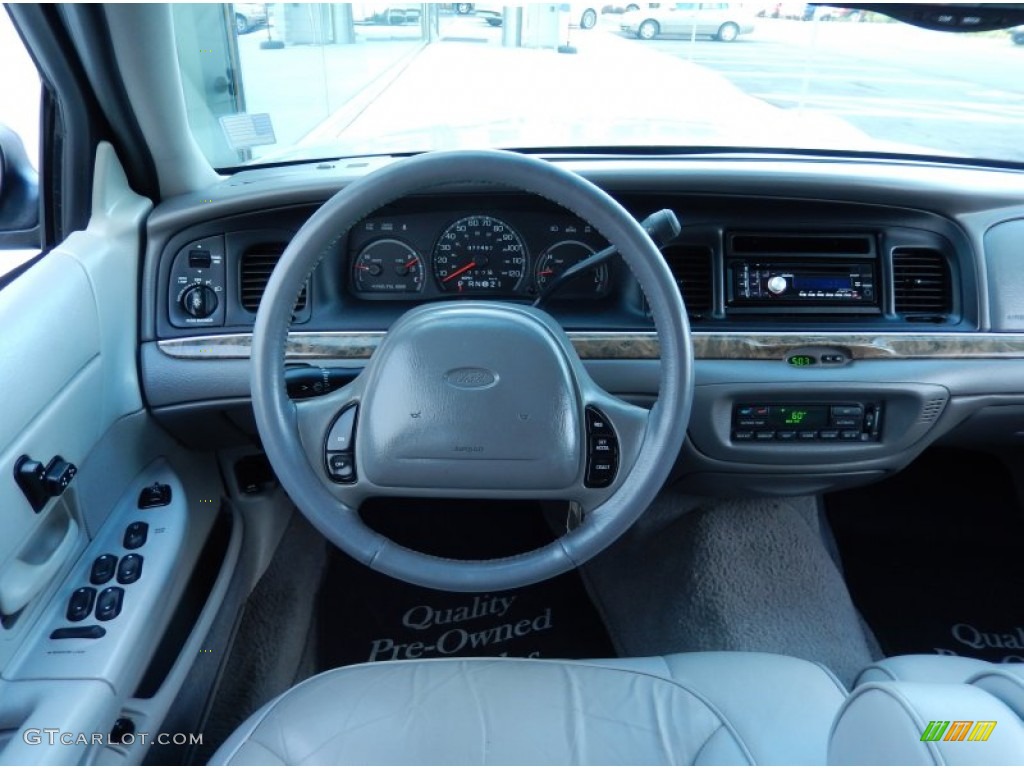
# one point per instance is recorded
(746, 575)
(274, 646)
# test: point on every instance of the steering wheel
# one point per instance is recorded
(472, 399)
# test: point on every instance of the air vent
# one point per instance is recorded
(692, 269)
(931, 410)
(793, 244)
(257, 264)
(921, 284)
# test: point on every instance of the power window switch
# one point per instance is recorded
(130, 569)
(103, 569)
(108, 604)
(135, 534)
(80, 604)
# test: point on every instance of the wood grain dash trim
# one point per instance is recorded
(597, 345)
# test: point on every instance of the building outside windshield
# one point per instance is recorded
(285, 82)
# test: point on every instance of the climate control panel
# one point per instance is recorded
(806, 422)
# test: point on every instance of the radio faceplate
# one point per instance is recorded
(806, 422)
(768, 285)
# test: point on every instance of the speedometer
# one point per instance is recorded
(479, 254)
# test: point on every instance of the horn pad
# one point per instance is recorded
(478, 382)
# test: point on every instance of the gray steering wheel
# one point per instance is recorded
(472, 399)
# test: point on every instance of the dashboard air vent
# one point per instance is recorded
(921, 283)
(257, 264)
(692, 268)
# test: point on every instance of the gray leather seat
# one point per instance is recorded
(686, 709)
(895, 700)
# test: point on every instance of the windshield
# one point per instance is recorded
(288, 81)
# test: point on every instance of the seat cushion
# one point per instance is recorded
(781, 707)
(1006, 683)
(530, 711)
(923, 668)
(900, 723)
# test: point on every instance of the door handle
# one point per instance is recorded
(38, 561)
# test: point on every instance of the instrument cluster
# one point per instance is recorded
(420, 256)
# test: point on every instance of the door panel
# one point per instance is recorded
(67, 373)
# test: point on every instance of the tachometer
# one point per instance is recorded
(388, 266)
(480, 254)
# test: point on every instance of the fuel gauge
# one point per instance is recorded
(563, 255)
(388, 266)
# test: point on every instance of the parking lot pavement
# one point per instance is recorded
(611, 92)
(956, 94)
(788, 84)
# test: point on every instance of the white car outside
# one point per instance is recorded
(722, 21)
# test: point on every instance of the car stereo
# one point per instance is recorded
(811, 283)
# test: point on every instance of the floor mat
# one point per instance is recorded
(932, 557)
(366, 616)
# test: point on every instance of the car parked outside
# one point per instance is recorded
(582, 15)
(249, 16)
(722, 21)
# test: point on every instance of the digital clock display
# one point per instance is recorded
(801, 360)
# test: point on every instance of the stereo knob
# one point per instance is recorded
(777, 284)
(199, 301)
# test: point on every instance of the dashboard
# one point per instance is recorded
(844, 314)
(471, 253)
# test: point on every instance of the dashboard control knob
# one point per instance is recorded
(199, 301)
(777, 284)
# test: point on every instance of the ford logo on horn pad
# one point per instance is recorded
(471, 378)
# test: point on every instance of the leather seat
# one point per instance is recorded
(686, 709)
(683, 709)
(1004, 681)
(896, 700)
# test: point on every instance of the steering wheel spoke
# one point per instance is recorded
(326, 428)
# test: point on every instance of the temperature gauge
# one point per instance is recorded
(560, 257)
(388, 266)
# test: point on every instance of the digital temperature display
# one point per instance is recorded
(803, 416)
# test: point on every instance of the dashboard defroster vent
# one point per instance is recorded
(691, 265)
(257, 264)
(921, 283)
(931, 410)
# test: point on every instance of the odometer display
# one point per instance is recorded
(480, 254)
